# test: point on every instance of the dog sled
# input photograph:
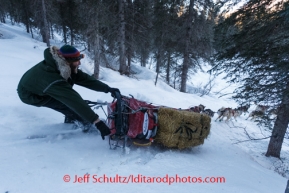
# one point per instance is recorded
(142, 124)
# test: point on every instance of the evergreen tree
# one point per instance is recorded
(197, 36)
(143, 29)
(252, 46)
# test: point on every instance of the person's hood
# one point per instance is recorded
(51, 56)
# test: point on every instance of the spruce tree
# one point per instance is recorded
(252, 48)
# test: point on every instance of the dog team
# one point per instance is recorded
(230, 113)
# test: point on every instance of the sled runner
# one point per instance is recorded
(140, 123)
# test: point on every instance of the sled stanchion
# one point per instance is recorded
(116, 142)
(118, 124)
(104, 111)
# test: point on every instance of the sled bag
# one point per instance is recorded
(139, 118)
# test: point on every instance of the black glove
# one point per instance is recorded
(103, 128)
(113, 91)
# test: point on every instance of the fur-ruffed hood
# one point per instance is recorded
(62, 64)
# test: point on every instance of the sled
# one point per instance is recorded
(140, 123)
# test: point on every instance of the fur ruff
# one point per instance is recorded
(62, 64)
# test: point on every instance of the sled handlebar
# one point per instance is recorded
(119, 118)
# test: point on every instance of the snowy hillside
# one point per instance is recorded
(42, 164)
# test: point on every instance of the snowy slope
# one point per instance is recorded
(29, 164)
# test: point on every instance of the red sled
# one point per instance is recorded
(133, 120)
(137, 122)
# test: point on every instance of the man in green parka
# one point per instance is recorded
(49, 84)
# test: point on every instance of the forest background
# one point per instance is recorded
(176, 37)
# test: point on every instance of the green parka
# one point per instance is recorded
(52, 78)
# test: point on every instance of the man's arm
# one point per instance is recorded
(90, 82)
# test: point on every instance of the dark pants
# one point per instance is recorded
(70, 116)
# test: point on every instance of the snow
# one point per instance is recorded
(40, 164)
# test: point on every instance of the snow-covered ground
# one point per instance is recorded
(42, 164)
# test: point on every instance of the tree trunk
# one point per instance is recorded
(129, 33)
(27, 27)
(104, 59)
(185, 69)
(129, 56)
(2, 19)
(175, 76)
(64, 33)
(51, 31)
(26, 16)
(64, 30)
(46, 28)
(186, 60)
(143, 57)
(121, 34)
(280, 127)
(31, 32)
(96, 51)
(287, 187)
(159, 61)
(168, 68)
(96, 58)
(71, 36)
